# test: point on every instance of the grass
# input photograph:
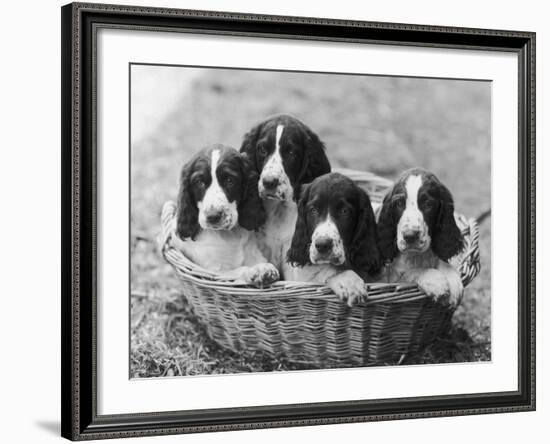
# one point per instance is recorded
(377, 124)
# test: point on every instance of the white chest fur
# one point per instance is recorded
(435, 277)
(218, 250)
(275, 236)
(309, 273)
(404, 263)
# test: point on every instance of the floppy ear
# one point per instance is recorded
(248, 145)
(250, 207)
(315, 161)
(187, 225)
(298, 253)
(364, 253)
(387, 229)
(447, 240)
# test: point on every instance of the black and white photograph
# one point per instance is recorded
(276, 222)
(287, 220)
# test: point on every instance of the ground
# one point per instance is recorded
(378, 124)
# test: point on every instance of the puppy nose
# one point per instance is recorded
(411, 236)
(213, 217)
(323, 245)
(270, 182)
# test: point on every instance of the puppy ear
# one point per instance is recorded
(315, 161)
(364, 252)
(248, 145)
(187, 215)
(298, 253)
(447, 240)
(299, 191)
(387, 229)
(250, 207)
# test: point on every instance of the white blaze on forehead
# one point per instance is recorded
(278, 135)
(274, 168)
(412, 218)
(412, 186)
(214, 166)
(214, 197)
(328, 229)
(275, 162)
(215, 200)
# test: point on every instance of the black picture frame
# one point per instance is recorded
(79, 171)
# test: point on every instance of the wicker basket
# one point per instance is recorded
(305, 322)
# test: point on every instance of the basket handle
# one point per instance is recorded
(471, 263)
(168, 222)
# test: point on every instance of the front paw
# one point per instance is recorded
(263, 274)
(348, 286)
(456, 289)
(434, 284)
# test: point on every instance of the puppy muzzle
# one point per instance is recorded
(213, 218)
(326, 246)
(274, 182)
(412, 236)
(280, 191)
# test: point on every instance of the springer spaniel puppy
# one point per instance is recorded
(335, 241)
(286, 154)
(217, 212)
(418, 233)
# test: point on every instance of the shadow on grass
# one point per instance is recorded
(455, 346)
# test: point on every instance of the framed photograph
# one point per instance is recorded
(277, 221)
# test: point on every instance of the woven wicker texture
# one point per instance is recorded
(305, 322)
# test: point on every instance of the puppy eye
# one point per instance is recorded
(262, 150)
(312, 210)
(229, 180)
(426, 203)
(199, 183)
(343, 211)
(399, 204)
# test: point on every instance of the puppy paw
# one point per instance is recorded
(434, 284)
(456, 289)
(263, 274)
(348, 287)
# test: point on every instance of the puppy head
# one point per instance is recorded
(218, 189)
(286, 154)
(418, 214)
(335, 226)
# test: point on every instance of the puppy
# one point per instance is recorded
(217, 212)
(418, 234)
(335, 240)
(285, 154)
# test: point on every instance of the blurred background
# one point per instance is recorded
(371, 123)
